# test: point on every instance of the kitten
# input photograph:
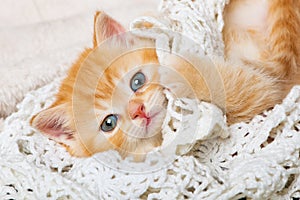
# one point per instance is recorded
(104, 105)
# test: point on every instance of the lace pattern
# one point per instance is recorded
(259, 160)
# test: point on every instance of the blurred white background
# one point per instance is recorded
(24, 12)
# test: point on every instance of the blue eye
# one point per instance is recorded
(109, 123)
(137, 81)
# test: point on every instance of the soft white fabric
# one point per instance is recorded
(259, 160)
(245, 164)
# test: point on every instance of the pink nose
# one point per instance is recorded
(136, 109)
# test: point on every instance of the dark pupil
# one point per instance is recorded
(109, 123)
(137, 82)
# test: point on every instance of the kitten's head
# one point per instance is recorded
(111, 98)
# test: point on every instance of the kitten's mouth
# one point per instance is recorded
(150, 117)
(154, 121)
(150, 123)
(146, 120)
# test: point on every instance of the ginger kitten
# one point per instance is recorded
(113, 97)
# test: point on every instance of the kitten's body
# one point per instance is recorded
(264, 35)
(262, 63)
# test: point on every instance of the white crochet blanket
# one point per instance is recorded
(259, 160)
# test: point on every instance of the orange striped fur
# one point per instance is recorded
(262, 50)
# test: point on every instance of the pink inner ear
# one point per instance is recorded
(114, 28)
(57, 132)
(53, 128)
(106, 27)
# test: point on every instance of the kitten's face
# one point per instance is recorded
(109, 100)
(130, 103)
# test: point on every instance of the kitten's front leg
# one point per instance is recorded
(248, 92)
(239, 91)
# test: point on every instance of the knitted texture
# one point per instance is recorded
(259, 160)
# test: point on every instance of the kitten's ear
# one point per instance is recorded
(106, 27)
(54, 122)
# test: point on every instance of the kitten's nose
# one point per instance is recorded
(136, 109)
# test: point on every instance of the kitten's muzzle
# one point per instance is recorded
(137, 110)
